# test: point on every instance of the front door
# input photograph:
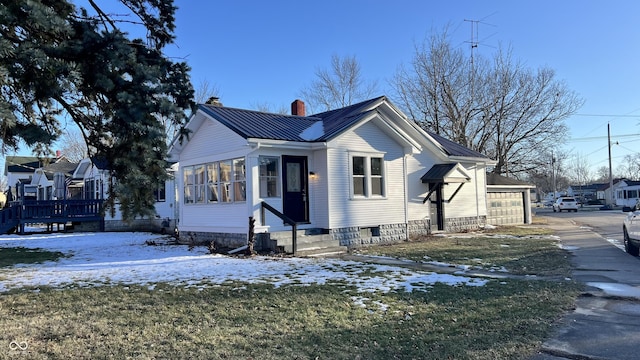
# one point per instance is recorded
(295, 204)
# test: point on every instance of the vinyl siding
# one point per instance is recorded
(346, 211)
(213, 142)
(418, 165)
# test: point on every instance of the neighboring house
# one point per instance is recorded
(20, 169)
(584, 193)
(627, 192)
(604, 192)
(360, 174)
(508, 201)
(90, 180)
(50, 181)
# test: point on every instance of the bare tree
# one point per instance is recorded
(601, 174)
(340, 85)
(204, 91)
(631, 167)
(266, 107)
(74, 147)
(580, 169)
(498, 107)
(551, 172)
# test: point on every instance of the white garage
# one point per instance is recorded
(508, 201)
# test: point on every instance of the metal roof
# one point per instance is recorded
(437, 173)
(455, 149)
(261, 125)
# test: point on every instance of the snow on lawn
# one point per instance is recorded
(125, 258)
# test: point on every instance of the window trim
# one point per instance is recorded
(266, 178)
(234, 183)
(368, 189)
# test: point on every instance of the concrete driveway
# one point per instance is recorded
(606, 321)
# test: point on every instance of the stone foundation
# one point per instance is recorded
(221, 240)
(464, 223)
(151, 225)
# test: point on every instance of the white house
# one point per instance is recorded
(627, 192)
(360, 174)
(91, 181)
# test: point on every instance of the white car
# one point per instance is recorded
(565, 203)
(631, 230)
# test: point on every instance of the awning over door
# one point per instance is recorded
(446, 173)
(443, 174)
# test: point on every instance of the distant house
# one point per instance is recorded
(20, 170)
(91, 180)
(585, 192)
(50, 181)
(508, 201)
(357, 175)
(626, 192)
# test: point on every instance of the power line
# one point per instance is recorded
(603, 137)
(609, 115)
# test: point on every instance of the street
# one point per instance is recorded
(607, 224)
(605, 323)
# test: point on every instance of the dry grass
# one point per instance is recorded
(504, 319)
(526, 251)
(501, 320)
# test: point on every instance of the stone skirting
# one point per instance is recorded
(152, 225)
(221, 240)
(353, 237)
(465, 223)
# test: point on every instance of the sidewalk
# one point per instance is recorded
(606, 321)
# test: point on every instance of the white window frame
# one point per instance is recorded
(232, 189)
(368, 176)
(265, 179)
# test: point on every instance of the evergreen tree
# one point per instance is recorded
(59, 59)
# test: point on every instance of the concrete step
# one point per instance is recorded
(322, 252)
(308, 245)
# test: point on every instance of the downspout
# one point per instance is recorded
(478, 197)
(406, 197)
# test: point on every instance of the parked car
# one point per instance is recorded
(565, 203)
(631, 230)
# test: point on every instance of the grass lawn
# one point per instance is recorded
(504, 319)
(519, 250)
(22, 255)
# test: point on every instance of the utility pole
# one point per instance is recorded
(553, 174)
(610, 170)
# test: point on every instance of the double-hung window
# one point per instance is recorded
(198, 174)
(212, 182)
(367, 176)
(187, 176)
(239, 180)
(269, 178)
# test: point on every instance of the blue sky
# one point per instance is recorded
(265, 52)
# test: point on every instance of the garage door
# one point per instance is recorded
(505, 208)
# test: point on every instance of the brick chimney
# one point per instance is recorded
(215, 101)
(297, 108)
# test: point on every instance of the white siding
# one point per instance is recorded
(213, 142)
(471, 200)
(345, 211)
(417, 166)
